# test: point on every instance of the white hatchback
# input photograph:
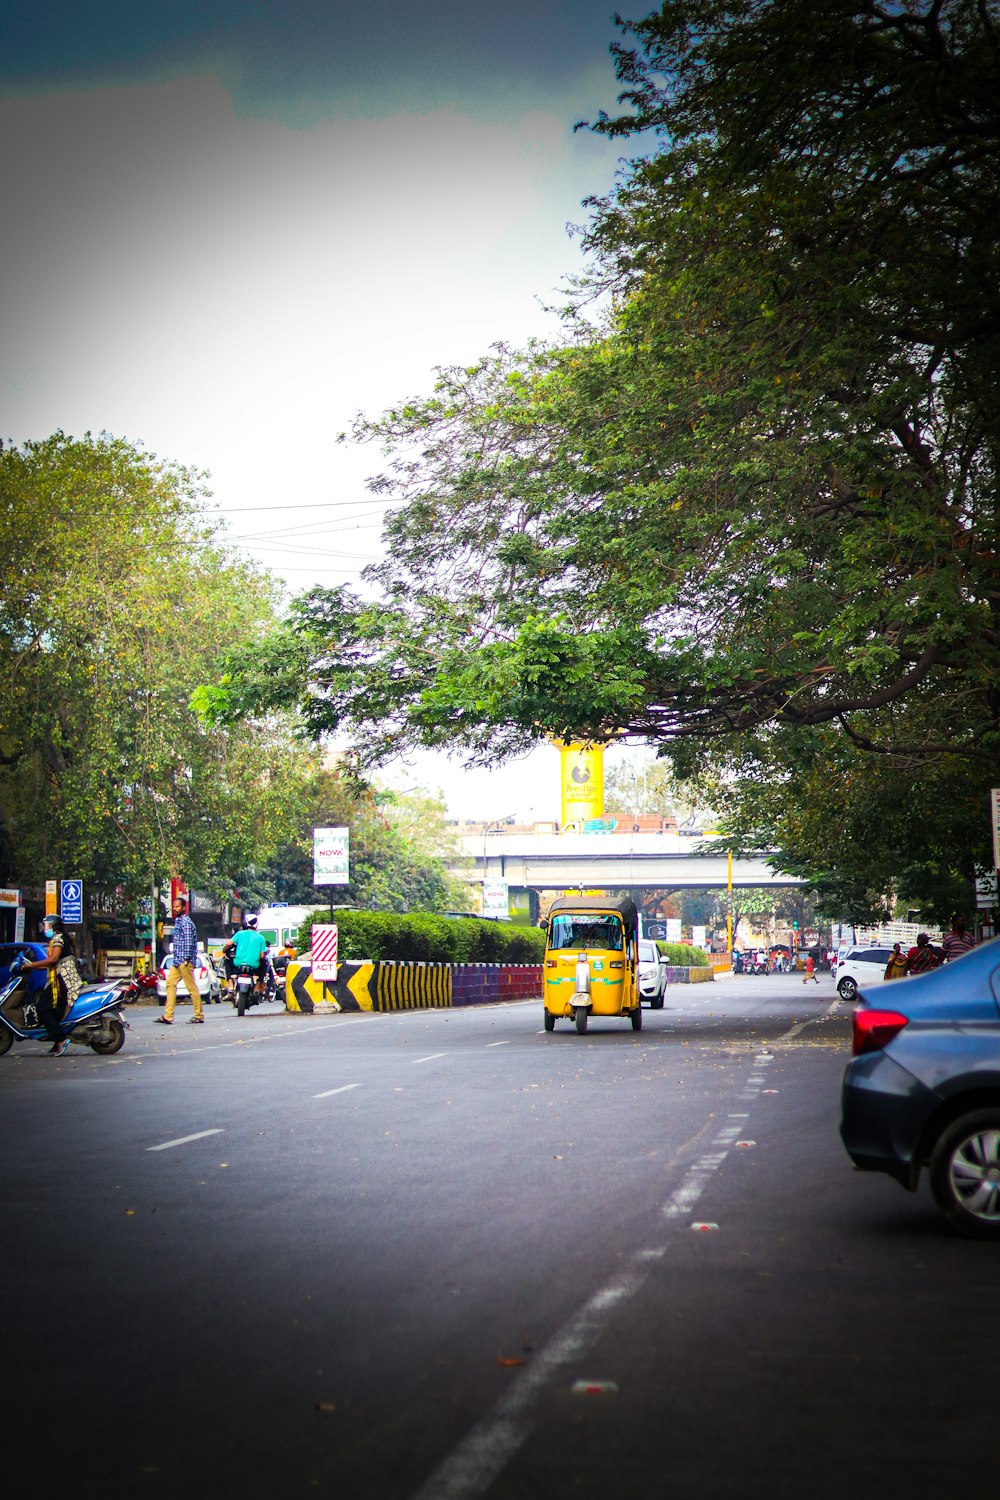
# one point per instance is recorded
(208, 982)
(860, 968)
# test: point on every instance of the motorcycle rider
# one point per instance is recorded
(64, 979)
(249, 947)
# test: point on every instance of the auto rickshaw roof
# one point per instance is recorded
(622, 906)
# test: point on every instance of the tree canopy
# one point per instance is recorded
(746, 507)
(114, 601)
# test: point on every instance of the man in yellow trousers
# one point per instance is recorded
(182, 962)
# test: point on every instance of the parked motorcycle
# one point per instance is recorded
(139, 987)
(94, 1020)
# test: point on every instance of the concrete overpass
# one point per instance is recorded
(603, 861)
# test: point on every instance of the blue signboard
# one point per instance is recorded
(71, 900)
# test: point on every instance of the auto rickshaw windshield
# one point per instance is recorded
(585, 931)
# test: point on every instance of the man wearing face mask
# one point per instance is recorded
(62, 965)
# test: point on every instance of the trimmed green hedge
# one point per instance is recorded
(423, 937)
(683, 956)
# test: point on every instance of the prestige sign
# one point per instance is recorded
(331, 856)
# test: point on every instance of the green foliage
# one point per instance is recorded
(422, 937)
(683, 955)
(749, 511)
(114, 602)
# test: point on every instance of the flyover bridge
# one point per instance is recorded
(610, 861)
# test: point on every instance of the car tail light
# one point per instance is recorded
(875, 1029)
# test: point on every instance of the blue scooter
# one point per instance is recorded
(94, 1020)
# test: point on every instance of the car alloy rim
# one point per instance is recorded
(974, 1174)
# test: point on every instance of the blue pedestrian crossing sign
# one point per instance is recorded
(71, 900)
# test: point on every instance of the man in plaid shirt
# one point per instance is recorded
(182, 962)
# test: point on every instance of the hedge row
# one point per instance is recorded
(683, 956)
(422, 937)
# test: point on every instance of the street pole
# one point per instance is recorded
(152, 924)
(729, 903)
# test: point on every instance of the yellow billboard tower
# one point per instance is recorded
(582, 781)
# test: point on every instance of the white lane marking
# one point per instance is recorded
(182, 1140)
(797, 1030)
(344, 1088)
(429, 1058)
(472, 1466)
(498, 1044)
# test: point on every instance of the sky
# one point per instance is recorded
(233, 224)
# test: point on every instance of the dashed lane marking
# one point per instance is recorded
(430, 1058)
(182, 1140)
(344, 1088)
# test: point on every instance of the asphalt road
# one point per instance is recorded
(438, 1255)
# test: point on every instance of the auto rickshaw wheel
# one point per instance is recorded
(550, 1020)
(637, 1018)
(581, 1019)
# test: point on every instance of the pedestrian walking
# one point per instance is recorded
(959, 940)
(810, 970)
(64, 984)
(182, 961)
(896, 967)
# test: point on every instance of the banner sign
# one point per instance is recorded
(323, 950)
(496, 898)
(582, 777)
(331, 856)
(51, 898)
(9, 897)
(995, 819)
(986, 889)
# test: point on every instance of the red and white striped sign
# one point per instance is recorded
(323, 947)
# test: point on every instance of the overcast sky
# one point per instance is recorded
(231, 224)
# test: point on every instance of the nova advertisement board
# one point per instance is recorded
(331, 856)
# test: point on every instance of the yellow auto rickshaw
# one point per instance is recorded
(590, 960)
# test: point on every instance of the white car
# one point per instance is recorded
(860, 968)
(651, 972)
(207, 980)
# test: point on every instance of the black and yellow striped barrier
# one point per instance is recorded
(370, 986)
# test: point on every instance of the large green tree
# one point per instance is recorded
(750, 505)
(115, 599)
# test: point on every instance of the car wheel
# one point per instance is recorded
(965, 1173)
(847, 989)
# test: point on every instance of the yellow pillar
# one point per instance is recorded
(729, 902)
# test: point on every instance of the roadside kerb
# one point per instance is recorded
(689, 974)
